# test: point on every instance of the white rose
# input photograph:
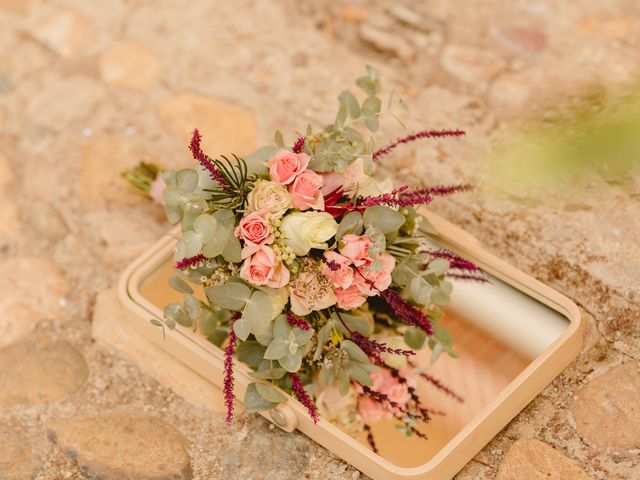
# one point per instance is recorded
(303, 231)
(269, 196)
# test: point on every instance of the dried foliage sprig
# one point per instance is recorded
(441, 386)
(374, 349)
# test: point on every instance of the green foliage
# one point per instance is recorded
(233, 193)
(350, 223)
(385, 219)
(254, 402)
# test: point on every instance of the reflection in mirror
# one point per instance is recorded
(498, 331)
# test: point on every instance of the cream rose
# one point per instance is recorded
(303, 231)
(270, 197)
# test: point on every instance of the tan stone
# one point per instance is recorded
(612, 27)
(31, 289)
(103, 159)
(6, 172)
(10, 225)
(387, 42)
(63, 101)
(606, 411)
(46, 220)
(37, 370)
(471, 64)
(18, 6)
(532, 459)
(112, 325)
(126, 236)
(123, 446)
(226, 127)
(129, 64)
(66, 32)
(17, 460)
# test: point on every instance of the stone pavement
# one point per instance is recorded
(90, 88)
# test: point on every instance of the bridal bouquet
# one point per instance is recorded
(297, 262)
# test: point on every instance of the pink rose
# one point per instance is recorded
(285, 166)
(338, 269)
(370, 410)
(381, 278)
(263, 268)
(305, 191)
(398, 393)
(349, 298)
(254, 229)
(356, 248)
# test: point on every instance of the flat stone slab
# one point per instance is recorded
(123, 446)
(38, 370)
(17, 460)
(531, 459)
(606, 411)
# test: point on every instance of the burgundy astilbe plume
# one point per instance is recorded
(297, 321)
(438, 190)
(303, 397)
(375, 349)
(441, 386)
(460, 268)
(416, 136)
(190, 261)
(408, 313)
(203, 159)
(228, 375)
(370, 440)
(299, 145)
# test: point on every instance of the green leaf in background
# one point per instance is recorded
(270, 393)
(207, 323)
(192, 305)
(359, 374)
(357, 324)
(253, 402)
(231, 295)
(175, 313)
(383, 218)
(355, 352)
(250, 352)
(276, 349)
(242, 328)
(291, 363)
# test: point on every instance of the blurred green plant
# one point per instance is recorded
(597, 140)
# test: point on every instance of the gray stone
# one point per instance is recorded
(37, 370)
(606, 411)
(123, 446)
(17, 460)
(260, 452)
(531, 459)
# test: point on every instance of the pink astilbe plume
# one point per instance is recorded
(416, 136)
(203, 159)
(398, 197)
(228, 375)
(297, 322)
(375, 349)
(190, 261)
(299, 145)
(408, 313)
(303, 397)
(439, 190)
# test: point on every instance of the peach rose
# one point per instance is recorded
(338, 269)
(305, 191)
(263, 268)
(379, 273)
(285, 166)
(356, 248)
(309, 291)
(254, 229)
(349, 298)
(370, 410)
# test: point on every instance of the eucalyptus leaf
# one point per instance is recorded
(269, 374)
(359, 374)
(187, 179)
(357, 324)
(258, 312)
(383, 218)
(232, 250)
(279, 140)
(350, 102)
(175, 313)
(276, 349)
(253, 402)
(250, 352)
(231, 295)
(415, 337)
(207, 323)
(350, 223)
(180, 285)
(192, 306)
(354, 351)
(291, 363)
(270, 393)
(323, 337)
(242, 328)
